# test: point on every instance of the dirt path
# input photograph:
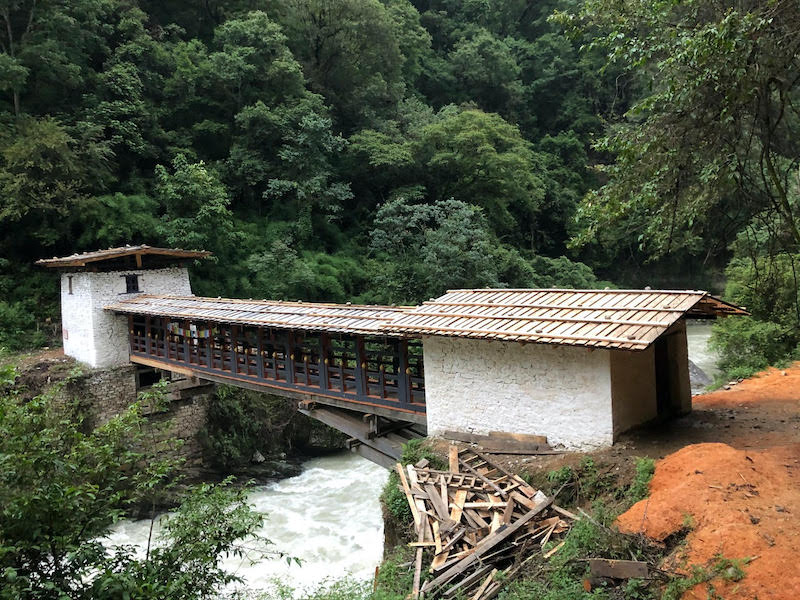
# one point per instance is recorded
(734, 481)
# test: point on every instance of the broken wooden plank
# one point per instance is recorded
(452, 455)
(435, 499)
(553, 550)
(407, 489)
(509, 511)
(618, 569)
(477, 595)
(458, 505)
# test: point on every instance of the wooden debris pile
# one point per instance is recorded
(481, 522)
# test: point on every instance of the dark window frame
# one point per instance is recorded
(132, 283)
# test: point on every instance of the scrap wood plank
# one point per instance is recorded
(452, 455)
(485, 545)
(458, 505)
(436, 502)
(509, 511)
(489, 504)
(467, 581)
(411, 503)
(525, 501)
(476, 518)
(441, 554)
(424, 521)
(552, 551)
(618, 569)
(565, 512)
(417, 565)
(484, 585)
(437, 539)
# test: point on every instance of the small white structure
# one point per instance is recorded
(92, 280)
(576, 366)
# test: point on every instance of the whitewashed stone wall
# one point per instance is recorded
(479, 386)
(100, 338)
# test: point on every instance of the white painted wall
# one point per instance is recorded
(100, 338)
(478, 386)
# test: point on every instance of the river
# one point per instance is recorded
(329, 516)
(700, 353)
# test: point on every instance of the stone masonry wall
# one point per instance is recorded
(479, 386)
(95, 336)
(105, 393)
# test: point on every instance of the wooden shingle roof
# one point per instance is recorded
(333, 318)
(623, 319)
(82, 259)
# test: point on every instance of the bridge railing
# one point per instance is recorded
(375, 371)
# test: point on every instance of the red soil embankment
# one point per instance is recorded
(738, 504)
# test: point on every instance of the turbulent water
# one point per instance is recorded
(329, 516)
(700, 353)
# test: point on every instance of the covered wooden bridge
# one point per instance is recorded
(335, 359)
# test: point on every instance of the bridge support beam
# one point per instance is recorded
(383, 448)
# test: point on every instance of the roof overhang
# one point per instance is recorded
(113, 257)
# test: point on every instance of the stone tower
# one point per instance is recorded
(93, 280)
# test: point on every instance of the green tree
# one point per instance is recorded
(481, 159)
(424, 249)
(351, 54)
(711, 142)
(197, 216)
(63, 486)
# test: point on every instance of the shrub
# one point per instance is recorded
(640, 487)
(394, 499)
(747, 345)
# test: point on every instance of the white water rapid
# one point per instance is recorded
(329, 517)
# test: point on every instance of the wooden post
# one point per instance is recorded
(290, 357)
(324, 346)
(210, 347)
(187, 357)
(148, 333)
(361, 367)
(403, 379)
(234, 350)
(260, 352)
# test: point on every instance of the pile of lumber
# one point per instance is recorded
(481, 522)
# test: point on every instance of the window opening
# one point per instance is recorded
(131, 284)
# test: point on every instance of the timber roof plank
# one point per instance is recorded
(621, 319)
(335, 318)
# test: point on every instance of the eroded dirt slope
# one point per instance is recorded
(739, 499)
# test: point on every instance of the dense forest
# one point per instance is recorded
(386, 150)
